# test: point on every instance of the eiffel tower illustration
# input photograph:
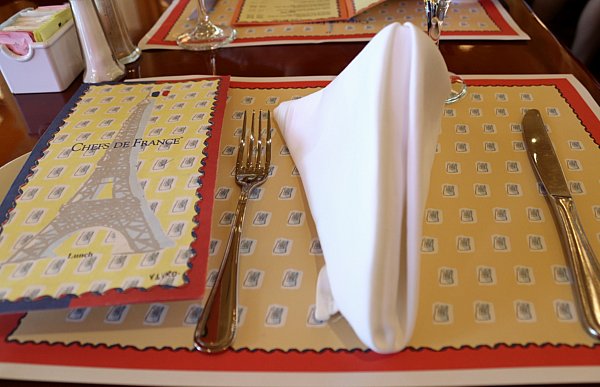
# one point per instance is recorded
(126, 212)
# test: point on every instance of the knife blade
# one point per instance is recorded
(583, 262)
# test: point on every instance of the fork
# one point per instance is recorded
(217, 324)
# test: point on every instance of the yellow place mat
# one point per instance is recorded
(493, 271)
(473, 19)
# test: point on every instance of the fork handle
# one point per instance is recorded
(217, 324)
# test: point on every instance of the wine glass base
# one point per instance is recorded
(458, 89)
(206, 37)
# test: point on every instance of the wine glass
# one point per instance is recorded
(435, 12)
(205, 35)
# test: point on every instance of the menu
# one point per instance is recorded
(111, 206)
(298, 11)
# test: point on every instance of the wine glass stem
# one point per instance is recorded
(435, 10)
(202, 12)
(434, 27)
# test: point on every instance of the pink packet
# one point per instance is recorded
(16, 41)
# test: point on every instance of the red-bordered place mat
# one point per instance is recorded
(479, 354)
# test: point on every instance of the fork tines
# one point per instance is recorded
(255, 145)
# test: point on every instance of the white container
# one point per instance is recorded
(47, 67)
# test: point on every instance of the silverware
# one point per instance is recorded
(583, 262)
(218, 321)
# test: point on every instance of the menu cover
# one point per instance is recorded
(110, 207)
(249, 12)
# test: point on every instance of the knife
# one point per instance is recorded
(583, 262)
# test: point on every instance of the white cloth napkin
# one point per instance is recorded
(364, 147)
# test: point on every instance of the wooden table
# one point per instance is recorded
(26, 116)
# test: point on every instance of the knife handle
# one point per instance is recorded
(584, 265)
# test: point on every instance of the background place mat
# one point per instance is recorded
(495, 290)
(483, 19)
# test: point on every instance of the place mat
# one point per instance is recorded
(472, 19)
(108, 208)
(495, 300)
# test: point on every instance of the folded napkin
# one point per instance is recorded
(364, 147)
